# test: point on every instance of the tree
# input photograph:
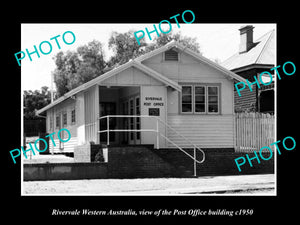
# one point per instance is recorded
(93, 62)
(65, 74)
(76, 68)
(34, 100)
(125, 47)
(163, 39)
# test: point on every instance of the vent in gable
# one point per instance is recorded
(171, 55)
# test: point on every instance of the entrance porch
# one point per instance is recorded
(119, 101)
(125, 110)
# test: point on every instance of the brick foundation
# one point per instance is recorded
(137, 162)
(142, 161)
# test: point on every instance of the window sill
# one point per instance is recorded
(200, 114)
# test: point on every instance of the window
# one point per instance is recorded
(186, 99)
(213, 103)
(57, 121)
(65, 118)
(171, 55)
(200, 99)
(73, 116)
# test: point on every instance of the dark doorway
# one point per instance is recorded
(266, 101)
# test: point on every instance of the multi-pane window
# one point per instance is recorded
(200, 99)
(186, 99)
(213, 100)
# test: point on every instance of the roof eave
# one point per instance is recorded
(252, 66)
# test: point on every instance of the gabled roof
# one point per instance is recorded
(99, 79)
(199, 57)
(262, 54)
(137, 63)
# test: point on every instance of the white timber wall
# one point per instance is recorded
(91, 114)
(207, 131)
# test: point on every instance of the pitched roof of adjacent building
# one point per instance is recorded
(262, 54)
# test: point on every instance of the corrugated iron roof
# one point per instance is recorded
(263, 53)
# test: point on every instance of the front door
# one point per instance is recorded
(134, 122)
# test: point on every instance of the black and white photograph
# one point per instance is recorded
(156, 114)
(109, 112)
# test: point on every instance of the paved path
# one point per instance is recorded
(160, 186)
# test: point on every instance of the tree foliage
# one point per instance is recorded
(34, 100)
(125, 47)
(76, 68)
(163, 39)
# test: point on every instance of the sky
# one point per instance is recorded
(217, 41)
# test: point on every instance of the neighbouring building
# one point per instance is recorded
(253, 58)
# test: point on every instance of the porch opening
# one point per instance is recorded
(120, 100)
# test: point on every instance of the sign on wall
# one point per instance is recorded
(153, 104)
(153, 111)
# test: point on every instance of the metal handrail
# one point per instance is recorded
(157, 132)
(185, 151)
(195, 146)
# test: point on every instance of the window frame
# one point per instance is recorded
(73, 110)
(192, 112)
(206, 87)
(57, 120)
(194, 99)
(64, 118)
(218, 97)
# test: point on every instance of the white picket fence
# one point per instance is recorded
(254, 131)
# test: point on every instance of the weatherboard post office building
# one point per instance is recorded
(163, 98)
